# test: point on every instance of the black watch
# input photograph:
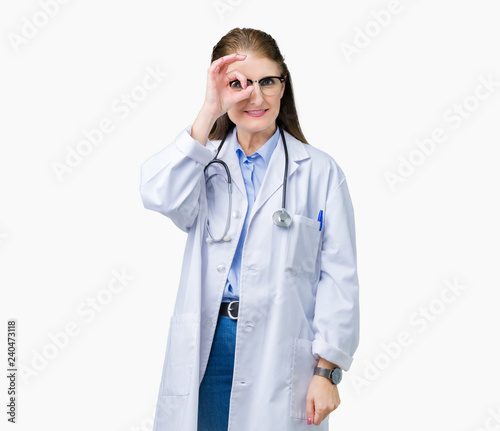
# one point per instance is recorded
(334, 375)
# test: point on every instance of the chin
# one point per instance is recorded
(254, 127)
(254, 124)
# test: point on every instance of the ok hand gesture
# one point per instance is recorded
(219, 97)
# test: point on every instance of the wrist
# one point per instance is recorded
(207, 114)
(333, 375)
(322, 378)
(202, 126)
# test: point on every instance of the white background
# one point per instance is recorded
(60, 241)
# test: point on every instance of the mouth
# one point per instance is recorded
(256, 112)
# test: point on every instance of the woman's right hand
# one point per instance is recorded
(219, 97)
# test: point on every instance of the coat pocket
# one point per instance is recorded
(302, 374)
(302, 247)
(180, 355)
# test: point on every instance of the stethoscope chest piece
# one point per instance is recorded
(281, 218)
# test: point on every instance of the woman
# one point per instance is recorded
(269, 290)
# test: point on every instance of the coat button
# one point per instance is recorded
(208, 322)
(221, 268)
(236, 214)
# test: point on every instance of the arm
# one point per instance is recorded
(322, 397)
(336, 318)
(171, 179)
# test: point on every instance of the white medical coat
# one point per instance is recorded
(298, 287)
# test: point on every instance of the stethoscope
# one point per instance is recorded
(281, 217)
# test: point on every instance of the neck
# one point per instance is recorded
(251, 142)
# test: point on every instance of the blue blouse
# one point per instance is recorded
(253, 168)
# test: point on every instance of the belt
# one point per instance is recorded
(229, 309)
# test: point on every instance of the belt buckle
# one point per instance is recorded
(229, 310)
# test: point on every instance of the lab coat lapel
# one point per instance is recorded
(273, 179)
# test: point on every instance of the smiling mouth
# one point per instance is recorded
(257, 112)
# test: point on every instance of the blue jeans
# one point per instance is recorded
(215, 388)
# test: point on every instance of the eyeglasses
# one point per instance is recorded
(270, 85)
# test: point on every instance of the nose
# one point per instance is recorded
(256, 96)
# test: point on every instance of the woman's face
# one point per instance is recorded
(253, 67)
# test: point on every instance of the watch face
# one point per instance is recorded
(336, 376)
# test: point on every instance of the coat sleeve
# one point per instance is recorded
(171, 180)
(336, 317)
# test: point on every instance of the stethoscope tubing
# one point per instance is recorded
(224, 236)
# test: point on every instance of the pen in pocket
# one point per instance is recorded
(320, 219)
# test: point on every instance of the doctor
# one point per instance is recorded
(266, 316)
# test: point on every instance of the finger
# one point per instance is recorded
(236, 74)
(320, 414)
(243, 94)
(247, 89)
(225, 61)
(219, 68)
(317, 418)
(309, 410)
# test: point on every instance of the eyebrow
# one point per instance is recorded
(266, 76)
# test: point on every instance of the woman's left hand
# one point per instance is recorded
(322, 399)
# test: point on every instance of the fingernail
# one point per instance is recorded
(309, 421)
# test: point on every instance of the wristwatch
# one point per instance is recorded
(334, 375)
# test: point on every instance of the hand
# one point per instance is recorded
(219, 97)
(322, 399)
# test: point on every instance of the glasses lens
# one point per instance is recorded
(236, 85)
(270, 86)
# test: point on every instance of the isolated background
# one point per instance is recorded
(60, 241)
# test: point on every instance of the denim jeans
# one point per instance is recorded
(215, 388)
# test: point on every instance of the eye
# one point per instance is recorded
(235, 85)
(268, 82)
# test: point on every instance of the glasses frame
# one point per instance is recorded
(250, 82)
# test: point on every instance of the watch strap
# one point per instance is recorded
(326, 372)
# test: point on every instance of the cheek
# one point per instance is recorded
(237, 109)
(233, 113)
(276, 106)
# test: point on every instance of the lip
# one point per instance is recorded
(260, 114)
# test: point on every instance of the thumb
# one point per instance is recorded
(317, 418)
(310, 410)
(243, 94)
